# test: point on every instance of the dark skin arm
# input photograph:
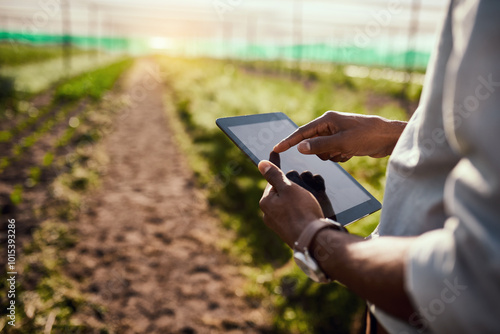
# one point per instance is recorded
(374, 269)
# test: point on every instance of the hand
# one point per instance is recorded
(340, 136)
(288, 208)
(315, 184)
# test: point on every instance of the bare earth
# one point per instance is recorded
(146, 242)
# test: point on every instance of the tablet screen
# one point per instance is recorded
(257, 137)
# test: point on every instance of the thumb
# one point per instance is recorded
(273, 175)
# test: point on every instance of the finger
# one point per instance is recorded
(267, 196)
(322, 144)
(315, 182)
(268, 190)
(336, 158)
(320, 182)
(310, 130)
(324, 156)
(294, 177)
(307, 177)
(273, 175)
(275, 159)
(340, 158)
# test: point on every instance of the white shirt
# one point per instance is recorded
(443, 181)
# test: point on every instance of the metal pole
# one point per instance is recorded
(297, 33)
(251, 22)
(412, 34)
(111, 33)
(92, 26)
(66, 30)
(5, 23)
(228, 37)
(99, 29)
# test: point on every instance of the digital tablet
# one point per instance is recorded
(256, 136)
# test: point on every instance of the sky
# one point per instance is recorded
(246, 21)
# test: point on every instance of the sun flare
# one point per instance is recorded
(161, 43)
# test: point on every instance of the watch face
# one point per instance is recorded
(301, 262)
(309, 267)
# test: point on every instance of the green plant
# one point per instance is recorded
(30, 140)
(4, 162)
(16, 196)
(35, 173)
(92, 84)
(8, 95)
(5, 136)
(47, 159)
(7, 90)
(15, 54)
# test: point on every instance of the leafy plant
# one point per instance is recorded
(14, 54)
(16, 196)
(92, 84)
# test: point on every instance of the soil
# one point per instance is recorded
(36, 197)
(146, 246)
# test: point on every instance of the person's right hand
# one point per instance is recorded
(339, 136)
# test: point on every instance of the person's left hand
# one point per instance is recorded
(288, 208)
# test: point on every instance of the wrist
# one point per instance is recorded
(390, 131)
(327, 249)
(300, 226)
(332, 250)
(307, 255)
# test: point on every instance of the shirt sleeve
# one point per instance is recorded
(453, 274)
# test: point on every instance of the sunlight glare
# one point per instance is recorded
(161, 43)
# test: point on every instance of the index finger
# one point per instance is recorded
(306, 131)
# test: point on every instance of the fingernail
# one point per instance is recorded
(304, 146)
(264, 166)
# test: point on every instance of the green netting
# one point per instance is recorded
(372, 56)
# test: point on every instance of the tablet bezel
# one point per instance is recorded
(345, 217)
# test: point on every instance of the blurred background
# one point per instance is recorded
(389, 33)
(73, 73)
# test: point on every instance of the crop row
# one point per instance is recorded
(31, 139)
(68, 104)
(14, 54)
(336, 74)
(91, 84)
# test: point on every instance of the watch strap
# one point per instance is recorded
(312, 229)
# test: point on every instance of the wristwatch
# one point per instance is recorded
(301, 254)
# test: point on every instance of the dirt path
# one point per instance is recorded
(146, 242)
